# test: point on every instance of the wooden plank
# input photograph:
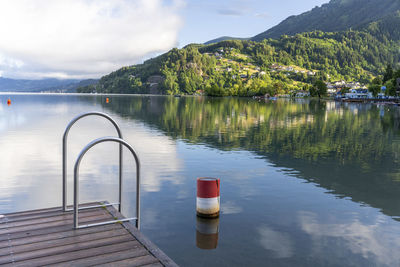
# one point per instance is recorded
(58, 217)
(46, 237)
(28, 212)
(79, 254)
(52, 224)
(50, 236)
(62, 242)
(138, 261)
(153, 249)
(32, 212)
(7, 219)
(33, 216)
(63, 249)
(105, 258)
(38, 232)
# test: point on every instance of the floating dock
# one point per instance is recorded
(46, 237)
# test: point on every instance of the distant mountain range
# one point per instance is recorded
(43, 85)
(337, 15)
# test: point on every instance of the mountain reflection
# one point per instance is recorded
(350, 149)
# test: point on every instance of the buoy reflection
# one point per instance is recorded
(207, 233)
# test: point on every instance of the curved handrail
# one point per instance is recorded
(76, 181)
(64, 159)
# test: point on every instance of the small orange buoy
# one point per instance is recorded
(9, 102)
(107, 100)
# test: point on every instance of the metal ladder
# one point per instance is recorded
(122, 143)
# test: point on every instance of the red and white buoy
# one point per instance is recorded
(208, 197)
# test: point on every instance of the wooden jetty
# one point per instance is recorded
(53, 236)
(46, 237)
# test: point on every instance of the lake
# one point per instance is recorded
(303, 182)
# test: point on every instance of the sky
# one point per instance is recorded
(90, 38)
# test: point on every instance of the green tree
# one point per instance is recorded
(374, 89)
(345, 90)
(319, 88)
(170, 83)
(377, 81)
(388, 73)
(390, 88)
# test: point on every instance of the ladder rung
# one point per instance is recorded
(95, 206)
(107, 222)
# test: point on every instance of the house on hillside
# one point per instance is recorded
(340, 83)
(331, 90)
(302, 93)
(359, 94)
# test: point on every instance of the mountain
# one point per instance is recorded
(276, 65)
(43, 85)
(337, 15)
(223, 38)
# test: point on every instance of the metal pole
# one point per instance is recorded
(64, 159)
(76, 193)
(64, 172)
(76, 176)
(120, 177)
(137, 192)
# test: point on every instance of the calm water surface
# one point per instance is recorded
(302, 182)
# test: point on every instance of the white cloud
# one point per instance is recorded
(83, 38)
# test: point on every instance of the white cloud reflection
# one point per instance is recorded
(230, 207)
(31, 159)
(374, 241)
(279, 243)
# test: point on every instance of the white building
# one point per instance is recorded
(359, 94)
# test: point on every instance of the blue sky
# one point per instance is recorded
(91, 38)
(206, 19)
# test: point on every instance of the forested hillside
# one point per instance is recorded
(337, 15)
(43, 85)
(273, 66)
